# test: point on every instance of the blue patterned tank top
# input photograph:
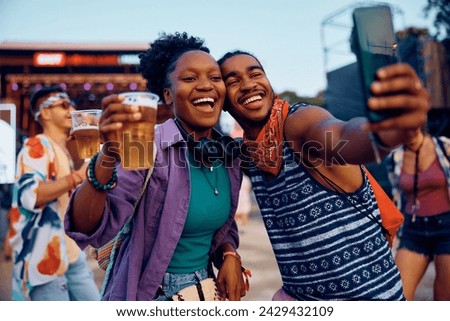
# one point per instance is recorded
(326, 249)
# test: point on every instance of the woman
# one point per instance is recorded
(186, 214)
(419, 172)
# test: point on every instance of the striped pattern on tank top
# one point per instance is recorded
(325, 248)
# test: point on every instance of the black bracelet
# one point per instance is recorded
(90, 175)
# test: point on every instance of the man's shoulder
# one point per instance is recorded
(37, 146)
(302, 118)
(294, 107)
(39, 138)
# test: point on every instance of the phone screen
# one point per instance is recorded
(375, 47)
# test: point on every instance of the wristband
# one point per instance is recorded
(246, 273)
(232, 253)
(78, 176)
(71, 181)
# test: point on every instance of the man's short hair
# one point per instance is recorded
(42, 92)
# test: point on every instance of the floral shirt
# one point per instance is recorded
(41, 250)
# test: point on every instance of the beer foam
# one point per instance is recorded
(85, 127)
(143, 99)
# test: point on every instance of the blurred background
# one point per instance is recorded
(91, 49)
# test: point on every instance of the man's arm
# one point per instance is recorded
(317, 135)
(34, 187)
(397, 88)
(48, 191)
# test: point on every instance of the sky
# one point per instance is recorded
(288, 36)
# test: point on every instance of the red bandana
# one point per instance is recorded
(267, 150)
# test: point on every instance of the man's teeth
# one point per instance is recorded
(203, 101)
(252, 99)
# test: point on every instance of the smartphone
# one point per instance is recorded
(375, 46)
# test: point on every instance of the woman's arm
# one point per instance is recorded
(89, 202)
(230, 280)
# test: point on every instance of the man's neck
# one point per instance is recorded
(58, 136)
(252, 129)
(252, 132)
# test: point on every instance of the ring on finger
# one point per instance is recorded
(418, 85)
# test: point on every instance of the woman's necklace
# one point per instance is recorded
(416, 203)
(213, 186)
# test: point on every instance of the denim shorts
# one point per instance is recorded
(174, 282)
(427, 235)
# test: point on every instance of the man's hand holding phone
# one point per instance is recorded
(396, 102)
(398, 88)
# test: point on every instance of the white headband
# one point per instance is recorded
(50, 101)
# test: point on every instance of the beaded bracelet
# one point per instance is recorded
(90, 175)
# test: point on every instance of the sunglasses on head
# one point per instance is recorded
(66, 104)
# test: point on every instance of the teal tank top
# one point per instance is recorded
(208, 211)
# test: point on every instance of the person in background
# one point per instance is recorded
(245, 194)
(7, 172)
(316, 201)
(47, 264)
(419, 172)
(5, 206)
(245, 203)
(186, 217)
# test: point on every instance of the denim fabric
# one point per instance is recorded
(174, 282)
(82, 286)
(429, 235)
(55, 290)
(76, 285)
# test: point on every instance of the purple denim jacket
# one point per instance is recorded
(144, 257)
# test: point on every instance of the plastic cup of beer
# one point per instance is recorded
(137, 138)
(86, 131)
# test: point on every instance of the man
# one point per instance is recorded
(48, 265)
(318, 207)
(7, 164)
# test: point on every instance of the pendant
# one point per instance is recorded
(415, 207)
(216, 191)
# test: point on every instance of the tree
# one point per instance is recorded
(292, 97)
(442, 18)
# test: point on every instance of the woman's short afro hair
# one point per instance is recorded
(160, 59)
